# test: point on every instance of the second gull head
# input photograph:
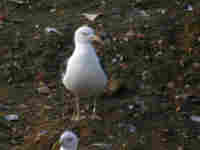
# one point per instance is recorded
(68, 141)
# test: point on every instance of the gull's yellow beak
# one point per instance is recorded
(97, 38)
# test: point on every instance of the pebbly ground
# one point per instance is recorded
(151, 55)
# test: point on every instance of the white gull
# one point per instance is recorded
(84, 75)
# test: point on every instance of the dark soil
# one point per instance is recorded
(151, 55)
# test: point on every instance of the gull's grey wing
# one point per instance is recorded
(63, 69)
(60, 87)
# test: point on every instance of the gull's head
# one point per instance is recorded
(68, 141)
(85, 35)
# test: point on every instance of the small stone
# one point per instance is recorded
(195, 118)
(37, 26)
(188, 7)
(12, 117)
(145, 74)
(147, 57)
(130, 33)
(52, 10)
(160, 42)
(196, 66)
(146, 26)
(144, 13)
(131, 128)
(51, 29)
(121, 58)
(159, 53)
(171, 85)
(187, 86)
(114, 60)
(130, 107)
(162, 11)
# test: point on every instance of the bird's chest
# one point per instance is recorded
(85, 76)
(83, 65)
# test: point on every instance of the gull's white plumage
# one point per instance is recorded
(84, 75)
(68, 141)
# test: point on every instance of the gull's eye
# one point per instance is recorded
(85, 33)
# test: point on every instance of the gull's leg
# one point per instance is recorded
(76, 114)
(94, 115)
(76, 111)
(94, 107)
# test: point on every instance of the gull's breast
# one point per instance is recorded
(85, 78)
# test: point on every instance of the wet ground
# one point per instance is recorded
(151, 55)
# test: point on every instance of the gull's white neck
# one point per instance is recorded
(83, 45)
(84, 48)
(84, 53)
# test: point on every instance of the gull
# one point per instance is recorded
(68, 141)
(84, 75)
